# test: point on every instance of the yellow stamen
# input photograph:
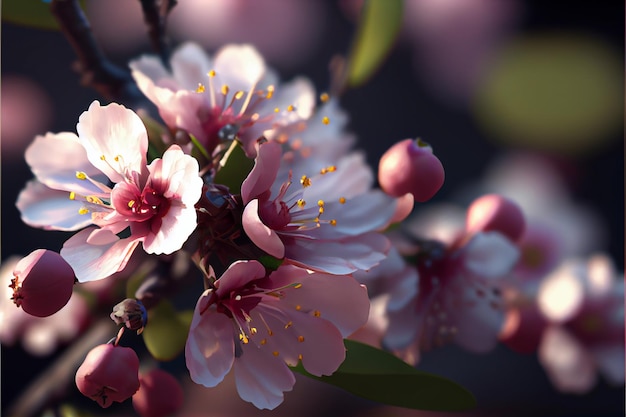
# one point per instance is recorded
(243, 338)
(298, 307)
(300, 339)
(305, 181)
(290, 108)
(81, 175)
(289, 324)
(298, 285)
(238, 95)
(72, 195)
(253, 330)
(325, 120)
(83, 210)
(276, 110)
(264, 341)
(301, 203)
(320, 203)
(212, 73)
(225, 89)
(270, 92)
(131, 203)
(103, 158)
(342, 200)
(324, 97)
(317, 313)
(275, 353)
(201, 88)
(300, 356)
(333, 222)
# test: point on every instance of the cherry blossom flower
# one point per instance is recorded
(259, 324)
(71, 191)
(328, 224)
(583, 301)
(232, 96)
(449, 290)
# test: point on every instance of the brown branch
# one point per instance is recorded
(155, 15)
(96, 71)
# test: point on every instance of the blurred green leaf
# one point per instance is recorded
(165, 334)
(378, 29)
(269, 262)
(34, 13)
(379, 376)
(235, 168)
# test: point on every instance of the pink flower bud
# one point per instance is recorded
(159, 395)
(109, 373)
(409, 166)
(493, 212)
(42, 283)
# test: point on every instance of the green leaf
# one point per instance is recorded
(34, 13)
(165, 334)
(269, 262)
(235, 167)
(379, 376)
(378, 29)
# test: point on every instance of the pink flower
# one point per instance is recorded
(109, 373)
(159, 395)
(71, 191)
(259, 324)
(232, 96)
(583, 302)
(328, 223)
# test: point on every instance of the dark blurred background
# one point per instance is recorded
(433, 85)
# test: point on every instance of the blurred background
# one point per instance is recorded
(477, 79)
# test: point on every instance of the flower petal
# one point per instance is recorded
(50, 209)
(210, 349)
(262, 236)
(97, 261)
(263, 174)
(261, 377)
(115, 139)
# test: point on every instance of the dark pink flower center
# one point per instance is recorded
(274, 214)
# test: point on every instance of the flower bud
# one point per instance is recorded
(42, 283)
(109, 373)
(493, 212)
(159, 395)
(132, 313)
(409, 166)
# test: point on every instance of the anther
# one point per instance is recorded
(270, 92)
(276, 110)
(317, 313)
(81, 175)
(225, 89)
(333, 222)
(325, 120)
(324, 97)
(201, 88)
(290, 108)
(305, 181)
(212, 73)
(72, 195)
(289, 324)
(298, 285)
(83, 210)
(342, 200)
(300, 339)
(301, 203)
(275, 353)
(238, 95)
(298, 307)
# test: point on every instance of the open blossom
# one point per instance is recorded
(583, 302)
(71, 191)
(258, 324)
(233, 95)
(328, 223)
(448, 293)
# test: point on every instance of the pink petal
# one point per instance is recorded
(262, 236)
(177, 176)
(190, 66)
(239, 66)
(263, 174)
(261, 377)
(93, 262)
(490, 255)
(210, 349)
(238, 274)
(340, 299)
(50, 209)
(56, 158)
(339, 257)
(117, 134)
(175, 229)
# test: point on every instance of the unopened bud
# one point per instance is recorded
(159, 395)
(42, 283)
(131, 313)
(409, 166)
(109, 373)
(496, 213)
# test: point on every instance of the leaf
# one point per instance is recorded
(270, 262)
(34, 13)
(378, 29)
(379, 376)
(235, 167)
(165, 334)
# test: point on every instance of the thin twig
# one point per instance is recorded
(95, 69)
(155, 15)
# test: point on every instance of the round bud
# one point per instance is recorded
(109, 373)
(493, 212)
(159, 395)
(409, 166)
(42, 283)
